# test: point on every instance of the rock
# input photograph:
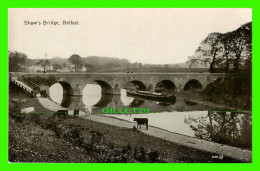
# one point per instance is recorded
(23, 101)
(27, 110)
(16, 100)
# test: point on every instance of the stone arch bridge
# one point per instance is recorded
(112, 83)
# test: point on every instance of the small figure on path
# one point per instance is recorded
(76, 113)
(88, 111)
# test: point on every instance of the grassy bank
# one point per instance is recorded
(234, 90)
(38, 137)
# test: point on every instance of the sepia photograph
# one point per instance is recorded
(130, 85)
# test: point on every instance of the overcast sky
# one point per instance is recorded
(156, 36)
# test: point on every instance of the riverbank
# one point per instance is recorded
(199, 144)
(234, 90)
(199, 98)
(97, 138)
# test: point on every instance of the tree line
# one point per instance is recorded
(227, 52)
(19, 62)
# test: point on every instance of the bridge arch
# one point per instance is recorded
(104, 100)
(67, 88)
(105, 87)
(165, 86)
(60, 92)
(134, 84)
(193, 85)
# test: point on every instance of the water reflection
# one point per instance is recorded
(136, 103)
(92, 98)
(125, 99)
(231, 128)
(190, 103)
(91, 95)
(56, 93)
(66, 100)
(104, 101)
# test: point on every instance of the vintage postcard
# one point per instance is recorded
(130, 85)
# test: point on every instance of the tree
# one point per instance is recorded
(89, 67)
(227, 54)
(64, 65)
(231, 128)
(56, 67)
(241, 44)
(44, 64)
(208, 51)
(77, 61)
(225, 51)
(16, 60)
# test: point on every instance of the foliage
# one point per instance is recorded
(236, 90)
(77, 61)
(16, 61)
(56, 67)
(227, 52)
(44, 64)
(89, 67)
(230, 128)
(208, 51)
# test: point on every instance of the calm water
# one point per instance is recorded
(179, 116)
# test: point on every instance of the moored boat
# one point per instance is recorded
(151, 95)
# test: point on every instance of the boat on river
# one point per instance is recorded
(151, 95)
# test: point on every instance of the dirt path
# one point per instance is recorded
(222, 150)
(49, 104)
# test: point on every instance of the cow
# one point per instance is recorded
(76, 113)
(65, 113)
(141, 121)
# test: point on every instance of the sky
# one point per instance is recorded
(146, 35)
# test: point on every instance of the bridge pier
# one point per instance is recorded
(77, 90)
(116, 90)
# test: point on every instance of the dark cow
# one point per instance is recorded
(76, 113)
(141, 121)
(65, 113)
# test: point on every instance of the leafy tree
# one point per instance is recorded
(64, 65)
(225, 51)
(231, 128)
(77, 61)
(208, 51)
(56, 67)
(89, 67)
(227, 54)
(241, 44)
(16, 60)
(44, 64)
